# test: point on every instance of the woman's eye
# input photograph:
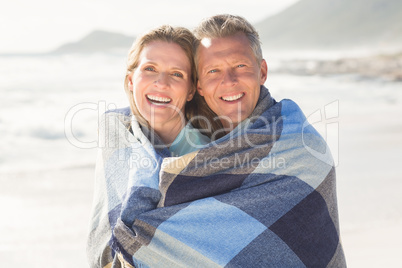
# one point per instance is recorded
(149, 69)
(177, 74)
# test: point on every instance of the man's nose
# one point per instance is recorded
(229, 78)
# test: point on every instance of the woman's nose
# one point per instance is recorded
(162, 80)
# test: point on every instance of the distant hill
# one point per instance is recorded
(335, 24)
(98, 41)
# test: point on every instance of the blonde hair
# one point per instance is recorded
(177, 35)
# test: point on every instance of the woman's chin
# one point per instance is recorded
(158, 118)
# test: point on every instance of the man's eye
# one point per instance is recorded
(241, 65)
(149, 69)
(212, 71)
(178, 74)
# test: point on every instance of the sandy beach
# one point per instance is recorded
(45, 216)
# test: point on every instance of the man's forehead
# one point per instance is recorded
(224, 46)
(239, 37)
(206, 42)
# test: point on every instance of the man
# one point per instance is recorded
(230, 67)
(232, 72)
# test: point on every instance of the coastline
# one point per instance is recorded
(383, 66)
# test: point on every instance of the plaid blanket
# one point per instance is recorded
(261, 196)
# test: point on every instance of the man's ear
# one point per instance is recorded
(263, 72)
(199, 89)
(191, 94)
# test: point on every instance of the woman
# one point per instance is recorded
(160, 81)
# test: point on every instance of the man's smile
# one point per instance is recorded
(232, 97)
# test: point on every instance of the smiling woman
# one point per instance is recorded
(160, 84)
(160, 81)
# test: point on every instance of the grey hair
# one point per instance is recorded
(226, 25)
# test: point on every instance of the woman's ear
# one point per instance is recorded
(130, 81)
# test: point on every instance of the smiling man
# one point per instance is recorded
(230, 66)
(294, 201)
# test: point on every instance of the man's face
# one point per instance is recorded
(230, 77)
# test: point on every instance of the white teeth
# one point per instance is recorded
(233, 98)
(158, 99)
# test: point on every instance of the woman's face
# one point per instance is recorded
(161, 83)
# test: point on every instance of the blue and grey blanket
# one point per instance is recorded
(262, 196)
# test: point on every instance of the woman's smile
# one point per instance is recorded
(158, 100)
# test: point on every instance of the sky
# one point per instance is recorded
(28, 26)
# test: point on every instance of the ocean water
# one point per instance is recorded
(49, 110)
(45, 99)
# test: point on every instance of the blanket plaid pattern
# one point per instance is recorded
(262, 196)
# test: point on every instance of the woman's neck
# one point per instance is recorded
(168, 131)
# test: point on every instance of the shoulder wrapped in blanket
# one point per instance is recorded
(262, 196)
